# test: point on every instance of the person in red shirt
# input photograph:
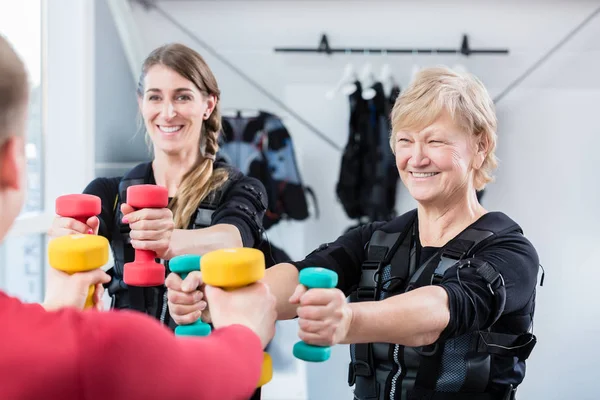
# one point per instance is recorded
(55, 350)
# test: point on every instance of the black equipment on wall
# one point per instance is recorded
(368, 177)
(258, 143)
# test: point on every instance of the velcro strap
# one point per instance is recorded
(503, 344)
(363, 360)
(489, 274)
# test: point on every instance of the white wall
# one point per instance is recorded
(116, 107)
(548, 134)
(119, 141)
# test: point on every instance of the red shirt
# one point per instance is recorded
(92, 355)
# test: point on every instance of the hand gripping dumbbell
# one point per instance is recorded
(78, 253)
(78, 206)
(144, 270)
(231, 269)
(183, 265)
(312, 278)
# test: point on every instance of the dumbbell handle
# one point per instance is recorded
(182, 266)
(196, 328)
(89, 300)
(314, 278)
(145, 255)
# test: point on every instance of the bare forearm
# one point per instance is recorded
(282, 280)
(416, 318)
(201, 241)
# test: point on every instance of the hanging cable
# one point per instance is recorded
(538, 63)
(152, 5)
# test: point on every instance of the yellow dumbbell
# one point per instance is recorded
(78, 253)
(231, 269)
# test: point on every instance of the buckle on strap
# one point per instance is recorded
(445, 264)
(366, 293)
(358, 368)
(367, 287)
(115, 286)
(452, 253)
(371, 265)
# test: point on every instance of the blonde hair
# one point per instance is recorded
(202, 179)
(14, 90)
(463, 97)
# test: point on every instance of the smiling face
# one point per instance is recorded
(174, 110)
(444, 136)
(437, 162)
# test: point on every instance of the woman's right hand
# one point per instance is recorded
(64, 290)
(63, 226)
(186, 298)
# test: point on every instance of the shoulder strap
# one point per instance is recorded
(465, 245)
(381, 248)
(140, 174)
(207, 207)
(468, 242)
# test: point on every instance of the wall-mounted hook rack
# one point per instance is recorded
(325, 48)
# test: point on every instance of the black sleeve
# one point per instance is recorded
(473, 306)
(345, 256)
(107, 189)
(243, 205)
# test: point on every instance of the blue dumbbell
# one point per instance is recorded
(315, 277)
(183, 265)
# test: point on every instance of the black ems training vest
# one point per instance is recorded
(458, 368)
(149, 300)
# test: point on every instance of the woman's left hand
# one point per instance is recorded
(151, 229)
(324, 316)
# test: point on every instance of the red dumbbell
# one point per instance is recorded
(145, 271)
(78, 206)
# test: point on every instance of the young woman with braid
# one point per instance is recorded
(53, 350)
(211, 205)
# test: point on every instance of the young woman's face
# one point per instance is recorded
(173, 109)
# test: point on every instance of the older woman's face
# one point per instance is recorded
(436, 163)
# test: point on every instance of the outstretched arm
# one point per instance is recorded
(464, 301)
(237, 221)
(282, 280)
(146, 361)
(120, 355)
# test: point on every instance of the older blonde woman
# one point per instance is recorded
(442, 297)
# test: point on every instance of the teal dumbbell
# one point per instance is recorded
(183, 265)
(312, 278)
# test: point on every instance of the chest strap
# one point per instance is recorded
(375, 283)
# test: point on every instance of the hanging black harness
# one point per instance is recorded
(458, 368)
